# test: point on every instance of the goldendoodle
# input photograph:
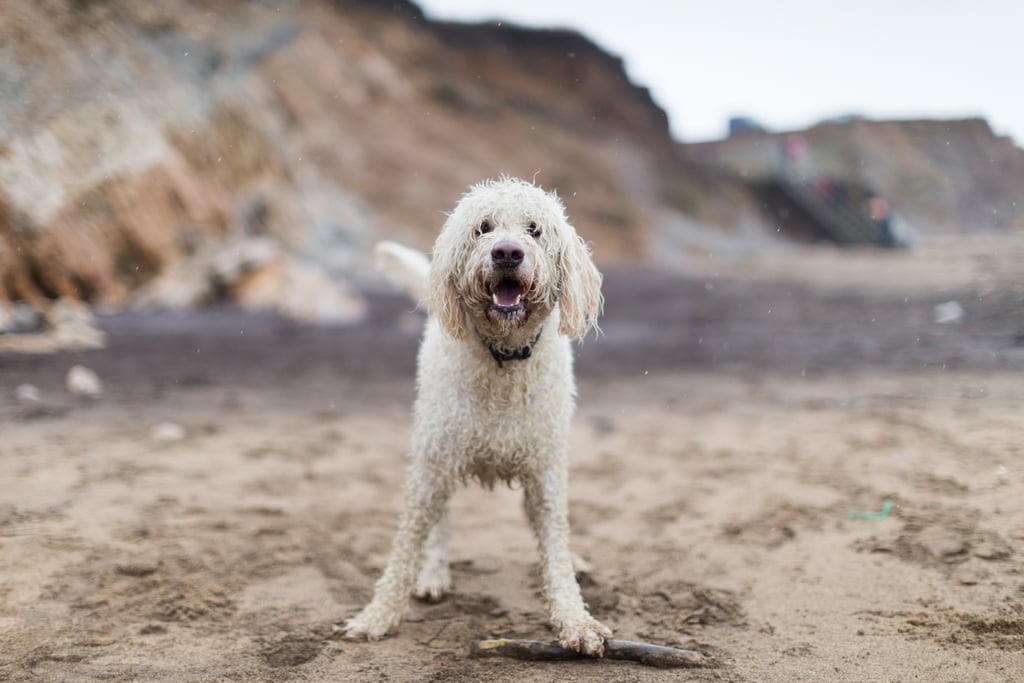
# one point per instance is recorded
(509, 285)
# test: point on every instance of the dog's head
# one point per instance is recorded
(506, 257)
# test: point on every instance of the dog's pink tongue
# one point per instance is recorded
(507, 293)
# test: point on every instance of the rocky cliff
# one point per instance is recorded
(945, 177)
(175, 153)
(145, 146)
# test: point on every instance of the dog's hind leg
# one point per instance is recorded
(435, 579)
(580, 565)
(426, 497)
(548, 512)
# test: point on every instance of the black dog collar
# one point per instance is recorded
(522, 353)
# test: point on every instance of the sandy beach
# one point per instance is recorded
(788, 465)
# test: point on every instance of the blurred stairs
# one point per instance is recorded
(809, 214)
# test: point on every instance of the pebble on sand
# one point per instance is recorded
(27, 395)
(168, 431)
(82, 381)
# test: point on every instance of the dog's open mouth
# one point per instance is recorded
(507, 296)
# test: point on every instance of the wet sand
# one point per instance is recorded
(730, 421)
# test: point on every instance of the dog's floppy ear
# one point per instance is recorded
(443, 299)
(580, 292)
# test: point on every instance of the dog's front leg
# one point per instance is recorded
(435, 579)
(548, 510)
(426, 497)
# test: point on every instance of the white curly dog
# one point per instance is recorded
(509, 284)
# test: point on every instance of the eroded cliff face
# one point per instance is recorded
(170, 154)
(945, 177)
(952, 177)
(137, 139)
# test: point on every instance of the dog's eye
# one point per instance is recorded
(533, 229)
(485, 227)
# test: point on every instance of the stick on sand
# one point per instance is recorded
(536, 651)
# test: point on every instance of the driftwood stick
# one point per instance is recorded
(536, 651)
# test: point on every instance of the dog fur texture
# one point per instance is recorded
(509, 285)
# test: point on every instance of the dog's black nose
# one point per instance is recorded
(507, 254)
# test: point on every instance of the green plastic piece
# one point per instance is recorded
(872, 516)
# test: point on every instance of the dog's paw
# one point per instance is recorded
(434, 583)
(373, 623)
(586, 635)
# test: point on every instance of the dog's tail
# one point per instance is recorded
(405, 267)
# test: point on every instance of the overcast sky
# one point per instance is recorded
(790, 63)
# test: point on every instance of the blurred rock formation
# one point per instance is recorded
(185, 152)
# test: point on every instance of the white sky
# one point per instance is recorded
(791, 63)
